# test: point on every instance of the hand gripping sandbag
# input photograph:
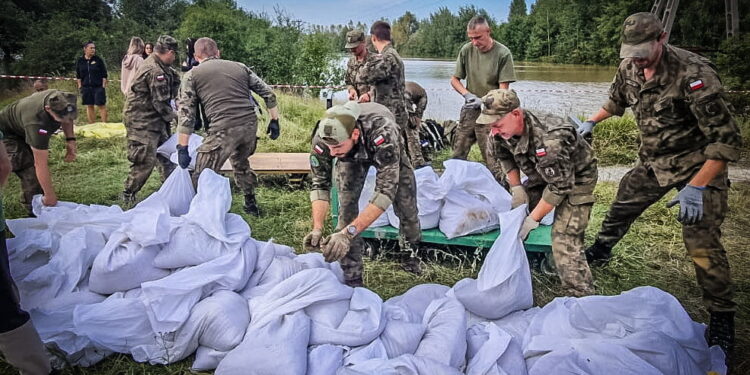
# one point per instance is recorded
(168, 149)
(504, 281)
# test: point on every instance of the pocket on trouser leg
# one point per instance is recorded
(137, 152)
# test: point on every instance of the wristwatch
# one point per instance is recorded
(351, 230)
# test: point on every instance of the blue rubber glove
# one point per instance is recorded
(586, 127)
(472, 101)
(273, 130)
(183, 157)
(690, 199)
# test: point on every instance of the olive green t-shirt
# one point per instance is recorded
(484, 71)
(26, 120)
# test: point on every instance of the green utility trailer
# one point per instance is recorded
(538, 245)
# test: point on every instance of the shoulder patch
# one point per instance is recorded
(695, 85)
(379, 140)
(541, 152)
(42, 132)
(160, 77)
(314, 161)
(550, 172)
(318, 150)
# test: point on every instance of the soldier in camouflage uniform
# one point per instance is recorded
(359, 136)
(562, 174)
(486, 65)
(357, 88)
(149, 110)
(416, 100)
(224, 88)
(385, 72)
(28, 125)
(687, 137)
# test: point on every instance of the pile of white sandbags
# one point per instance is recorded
(179, 275)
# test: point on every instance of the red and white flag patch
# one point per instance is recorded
(318, 150)
(696, 85)
(42, 132)
(541, 152)
(160, 77)
(379, 140)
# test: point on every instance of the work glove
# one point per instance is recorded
(336, 246)
(586, 128)
(690, 199)
(529, 224)
(273, 129)
(183, 157)
(472, 101)
(312, 240)
(519, 196)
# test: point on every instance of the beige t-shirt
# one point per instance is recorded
(484, 71)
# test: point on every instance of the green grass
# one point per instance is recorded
(651, 254)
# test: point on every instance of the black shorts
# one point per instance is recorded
(93, 95)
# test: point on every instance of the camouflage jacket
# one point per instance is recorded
(224, 88)
(416, 99)
(379, 145)
(552, 154)
(355, 74)
(385, 71)
(681, 114)
(148, 103)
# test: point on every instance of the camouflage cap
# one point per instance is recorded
(638, 32)
(63, 104)
(338, 123)
(167, 42)
(354, 38)
(496, 104)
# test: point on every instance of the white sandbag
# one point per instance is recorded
(516, 323)
(66, 216)
(646, 327)
(168, 149)
(123, 265)
(211, 204)
(492, 351)
(316, 260)
(446, 321)
(302, 289)
(324, 359)
(31, 247)
(404, 365)
(190, 245)
(365, 353)
(178, 191)
(265, 257)
(463, 214)
(368, 189)
(416, 300)
(218, 322)
(278, 347)
(170, 299)
(475, 179)
(68, 266)
(429, 199)
(207, 359)
(149, 221)
(362, 322)
(118, 324)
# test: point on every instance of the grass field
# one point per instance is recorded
(651, 254)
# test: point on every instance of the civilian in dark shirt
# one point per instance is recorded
(92, 82)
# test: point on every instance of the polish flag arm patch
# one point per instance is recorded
(379, 140)
(42, 132)
(696, 85)
(541, 152)
(318, 150)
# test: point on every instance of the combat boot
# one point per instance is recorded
(411, 262)
(721, 332)
(598, 254)
(251, 206)
(128, 199)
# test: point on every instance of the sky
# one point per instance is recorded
(333, 12)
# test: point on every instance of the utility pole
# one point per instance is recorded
(733, 18)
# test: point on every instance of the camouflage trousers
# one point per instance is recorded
(568, 232)
(142, 145)
(22, 164)
(468, 133)
(410, 134)
(235, 143)
(350, 179)
(638, 190)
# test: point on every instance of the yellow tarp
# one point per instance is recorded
(101, 130)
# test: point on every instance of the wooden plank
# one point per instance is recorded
(276, 163)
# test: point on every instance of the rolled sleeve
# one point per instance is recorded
(381, 201)
(552, 197)
(613, 108)
(722, 151)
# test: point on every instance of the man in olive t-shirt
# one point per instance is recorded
(28, 125)
(486, 65)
